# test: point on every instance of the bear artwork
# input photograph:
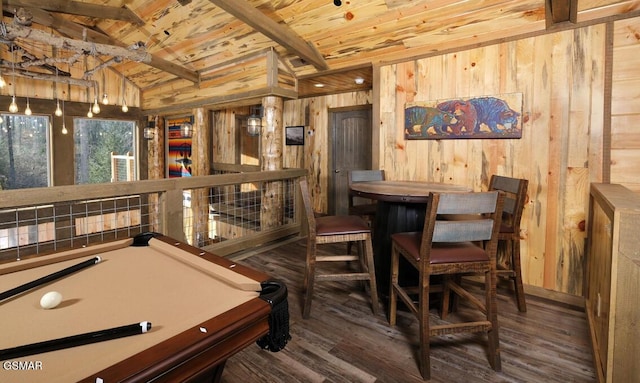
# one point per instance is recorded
(480, 117)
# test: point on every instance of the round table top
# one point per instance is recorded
(403, 191)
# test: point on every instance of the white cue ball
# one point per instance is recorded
(50, 300)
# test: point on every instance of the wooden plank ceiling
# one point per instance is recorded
(317, 40)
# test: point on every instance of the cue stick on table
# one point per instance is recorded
(48, 278)
(75, 340)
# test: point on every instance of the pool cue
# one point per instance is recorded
(49, 278)
(75, 340)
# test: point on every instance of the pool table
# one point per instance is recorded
(202, 308)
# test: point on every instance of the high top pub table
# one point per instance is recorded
(401, 208)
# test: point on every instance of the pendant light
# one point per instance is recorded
(105, 98)
(27, 110)
(64, 128)
(95, 108)
(13, 107)
(58, 112)
(125, 108)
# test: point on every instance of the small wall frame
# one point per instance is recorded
(294, 135)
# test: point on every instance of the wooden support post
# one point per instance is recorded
(156, 168)
(201, 160)
(272, 198)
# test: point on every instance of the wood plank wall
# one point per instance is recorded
(563, 78)
(313, 113)
(625, 110)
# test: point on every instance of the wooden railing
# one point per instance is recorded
(222, 213)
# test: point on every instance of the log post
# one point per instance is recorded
(200, 149)
(272, 209)
(156, 169)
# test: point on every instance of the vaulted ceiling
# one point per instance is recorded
(319, 41)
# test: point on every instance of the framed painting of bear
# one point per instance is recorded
(475, 117)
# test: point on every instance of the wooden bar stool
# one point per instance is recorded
(356, 206)
(451, 248)
(515, 190)
(336, 229)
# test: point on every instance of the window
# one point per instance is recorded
(24, 151)
(104, 151)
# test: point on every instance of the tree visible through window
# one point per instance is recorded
(24, 151)
(95, 143)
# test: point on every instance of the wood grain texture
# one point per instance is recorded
(558, 83)
(343, 341)
(612, 281)
(310, 37)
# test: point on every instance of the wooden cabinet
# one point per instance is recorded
(612, 283)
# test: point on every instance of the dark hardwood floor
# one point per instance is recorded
(344, 342)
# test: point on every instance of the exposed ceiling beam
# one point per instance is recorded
(14, 31)
(279, 33)
(79, 9)
(80, 32)
(49, 77)
(560, 11)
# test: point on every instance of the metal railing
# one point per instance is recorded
(221, 213)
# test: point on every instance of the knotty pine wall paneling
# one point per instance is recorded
(625, 105)
(315, 155)
(561, 77)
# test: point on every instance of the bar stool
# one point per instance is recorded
(515, 190)
(336, 229)
(451, 248)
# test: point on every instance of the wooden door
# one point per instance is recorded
(350, 149)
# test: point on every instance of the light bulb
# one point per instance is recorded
(13, 107)
(2, 82)
(105, 99)
(27, 111)
(64, 129)
(58, 111)
(89, 113)
(1, 120)
(125, 108)
(96, 107)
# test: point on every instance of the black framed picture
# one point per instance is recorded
(294, 135)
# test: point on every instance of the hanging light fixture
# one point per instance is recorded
(58, 111)
(13, 107)
(105, 98)
(125, 109)
(95, 108)
(254, 122)
(186, 130)
(149, 131)
(64, 128)
(2, 82)
(27, 110)
(90, 113)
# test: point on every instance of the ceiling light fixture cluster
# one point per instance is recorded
(76, 50)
